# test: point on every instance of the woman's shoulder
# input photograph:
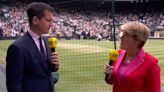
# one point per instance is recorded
(150, 58)
(151, 62)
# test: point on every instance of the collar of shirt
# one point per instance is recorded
(35, 37)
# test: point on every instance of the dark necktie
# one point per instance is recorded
(42, 51)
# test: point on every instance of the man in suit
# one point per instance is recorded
(29, 60)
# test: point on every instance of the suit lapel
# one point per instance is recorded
(119, 59)
(32, 46)
(48, 52)
(135, 62)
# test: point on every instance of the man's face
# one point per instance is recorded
(44, 24)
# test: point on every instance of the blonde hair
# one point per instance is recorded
(137, 30)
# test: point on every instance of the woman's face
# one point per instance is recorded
(128, 43)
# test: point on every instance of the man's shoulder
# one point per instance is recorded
(20, 41)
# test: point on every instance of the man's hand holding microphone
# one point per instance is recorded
(52, 43)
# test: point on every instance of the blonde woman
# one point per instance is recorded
(135, 70)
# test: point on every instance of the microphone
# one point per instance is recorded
(113, 54)
(52, 43)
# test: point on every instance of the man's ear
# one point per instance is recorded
(141, 44)
(34, 20)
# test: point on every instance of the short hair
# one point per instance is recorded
(136, 29)
(37, 9)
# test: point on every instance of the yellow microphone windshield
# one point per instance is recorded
(113, 54)
(52, 42)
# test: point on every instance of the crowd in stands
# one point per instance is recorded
(13, 20)
(69, 24)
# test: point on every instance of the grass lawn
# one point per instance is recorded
(82, 61)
